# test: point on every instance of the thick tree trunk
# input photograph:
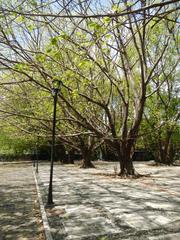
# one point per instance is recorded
(86, 162)
(166, 156)
(70, 159)
(166, 153)
(125, 153)
(129, 140)
(126, 163)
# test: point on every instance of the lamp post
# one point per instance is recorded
(55, 89)
(37, 155)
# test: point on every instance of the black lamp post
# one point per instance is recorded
(37, 155)
(55, 89)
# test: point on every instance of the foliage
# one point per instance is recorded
(110, 67)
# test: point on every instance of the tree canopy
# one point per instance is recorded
(117, 60)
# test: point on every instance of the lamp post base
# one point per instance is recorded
(50, 205)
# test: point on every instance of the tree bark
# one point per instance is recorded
(125, 152)
(166, 153)
(86, 161)
(126, 163)
(127, 147)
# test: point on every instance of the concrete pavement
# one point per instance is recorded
(20, 217)
(91, 205)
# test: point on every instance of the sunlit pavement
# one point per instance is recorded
(89, 205)
(19, 210)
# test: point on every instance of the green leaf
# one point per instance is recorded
(69, 73)
(116, 8)
(22, 67)
(54, 41)
(84, 63)
(94, 25)
(40, 58)
(20, 19)
(48, 49)
(106, 20)
(129, 4)
(20, 8)
(75, 93)
(79, 34)
(108, 36)
(31, 27)
(33, 3)
(63, 36)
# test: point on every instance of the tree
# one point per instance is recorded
(115, 62)
(162, 113)
(162, 119)
(106, 62)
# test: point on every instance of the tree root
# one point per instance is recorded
(87, 165)
(132, 175)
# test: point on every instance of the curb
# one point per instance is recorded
(43, 212)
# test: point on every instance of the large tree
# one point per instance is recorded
(107, 56)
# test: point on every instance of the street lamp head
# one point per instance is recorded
(56, 84)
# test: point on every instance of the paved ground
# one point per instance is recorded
(19, 210)
(93, 206)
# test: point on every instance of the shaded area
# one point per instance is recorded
(19, 210)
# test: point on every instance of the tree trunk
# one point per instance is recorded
(125, 153)
(129, 140)
(86, 162)
(166, 153)
(126, 163)
(70, 159)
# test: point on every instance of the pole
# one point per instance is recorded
(37, 157)
(50, 193)
(34, 158)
